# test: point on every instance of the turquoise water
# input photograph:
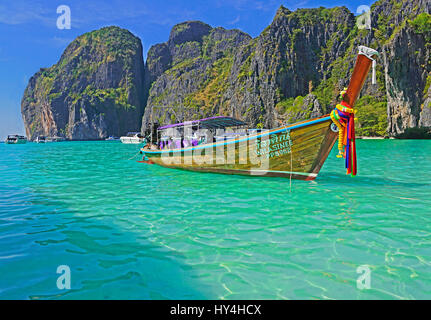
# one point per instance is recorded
(136, 231)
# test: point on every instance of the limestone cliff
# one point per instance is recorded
(295, 69)
(403, 31)
(95, 90)
(214, 71)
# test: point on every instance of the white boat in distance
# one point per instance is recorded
(112, 138)
(55, 139)
(15, 139)
(133, 137)
(40, 139)
(43, 139)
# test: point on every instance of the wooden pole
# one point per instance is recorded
(359, 75)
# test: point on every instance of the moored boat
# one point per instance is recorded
(40, 139)
(43, 139)
(15, 139)
(55, 139)
(112, 138)
(296, 151)
(133, 138)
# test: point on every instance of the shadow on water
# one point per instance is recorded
(106, 261)
(108, 244)
(324, 177)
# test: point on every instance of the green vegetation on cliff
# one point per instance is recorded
(213, 89)
(372, 116)
(422, 23)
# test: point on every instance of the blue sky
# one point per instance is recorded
(30, 39)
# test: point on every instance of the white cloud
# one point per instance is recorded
(244, 5)
(61, 42)
(23, 12)
(18, 12)
(89, 13)
(235, 21)
(293, 5)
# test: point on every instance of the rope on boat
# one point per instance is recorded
(291, 169)
(134, 155)
(369, 53)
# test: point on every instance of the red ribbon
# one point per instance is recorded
(351, 161)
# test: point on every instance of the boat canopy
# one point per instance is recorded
(218, 122)
(132, 134)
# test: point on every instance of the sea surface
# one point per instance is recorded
(129, 230)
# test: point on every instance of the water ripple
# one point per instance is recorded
(129, 230)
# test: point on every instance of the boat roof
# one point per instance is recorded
(217, 122)
(15, 136)
(134, 134)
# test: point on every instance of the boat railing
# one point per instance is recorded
(177, 142)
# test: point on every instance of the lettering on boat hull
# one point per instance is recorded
(275, 146)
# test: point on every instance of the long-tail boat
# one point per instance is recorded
(296, 151)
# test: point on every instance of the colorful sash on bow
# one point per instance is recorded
(344, 118)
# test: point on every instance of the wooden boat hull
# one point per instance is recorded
(295, 151)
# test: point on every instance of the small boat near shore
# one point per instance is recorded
(296, 151)
(112, 138)
(43, 139)
(133, 138)
(40, 139)
(55, 139)
(15, 139)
